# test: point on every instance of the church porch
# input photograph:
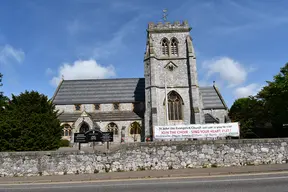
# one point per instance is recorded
(126, 126)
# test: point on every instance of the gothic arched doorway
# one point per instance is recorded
(84, 128)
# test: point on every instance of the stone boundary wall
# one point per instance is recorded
(147, 156)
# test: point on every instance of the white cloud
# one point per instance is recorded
(8, 53)
(228, 69)
(87, 69)
(249, 90)
(203, 83)
(49, 71)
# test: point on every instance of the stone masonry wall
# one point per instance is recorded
(91, 109)
(145, 156)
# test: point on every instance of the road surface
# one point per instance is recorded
(248, 183)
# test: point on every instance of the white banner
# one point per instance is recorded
(196, 131)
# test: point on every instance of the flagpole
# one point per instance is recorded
(166, 101)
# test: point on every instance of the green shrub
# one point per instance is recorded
(30, 123)
(64, 143)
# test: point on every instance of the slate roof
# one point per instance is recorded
(126, 90)
(212, 98)
(103, 116)
(119, 90)
(210, 119)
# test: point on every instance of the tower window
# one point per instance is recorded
(174, 46)
(174, 106)
(165, 47)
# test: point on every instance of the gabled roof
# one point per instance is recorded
(100, 91)
(124, 90)
(212, 98)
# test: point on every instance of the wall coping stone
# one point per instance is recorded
(148, 144)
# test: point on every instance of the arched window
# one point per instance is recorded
(174, 46)
(165, 46)
(135, 128)
(84, 128)
(175, 106)
(67, 130)
(112, 127)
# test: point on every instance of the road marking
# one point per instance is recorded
(82, 185)
(44, 182)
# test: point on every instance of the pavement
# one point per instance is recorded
(176, 173)
(276, 182)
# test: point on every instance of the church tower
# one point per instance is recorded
(171, 84)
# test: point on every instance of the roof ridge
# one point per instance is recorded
(220, 96)
(108, 79)
(57, 90)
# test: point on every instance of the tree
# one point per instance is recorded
(250, 113)
(1, 93)
(3, 99)
(29, 123)
(1, 79)
(274, 96)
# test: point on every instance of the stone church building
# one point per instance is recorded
(169, 93)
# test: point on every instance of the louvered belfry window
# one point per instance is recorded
(174, 46)
(165, 47)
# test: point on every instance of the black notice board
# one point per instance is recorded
(80, 138)
(94, 136)
(107, 137)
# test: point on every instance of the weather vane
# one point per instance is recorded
(165, 15)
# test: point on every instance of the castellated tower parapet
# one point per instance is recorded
(177, 26)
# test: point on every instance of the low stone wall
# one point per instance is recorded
(145, 156)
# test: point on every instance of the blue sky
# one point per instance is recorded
(239, 44)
